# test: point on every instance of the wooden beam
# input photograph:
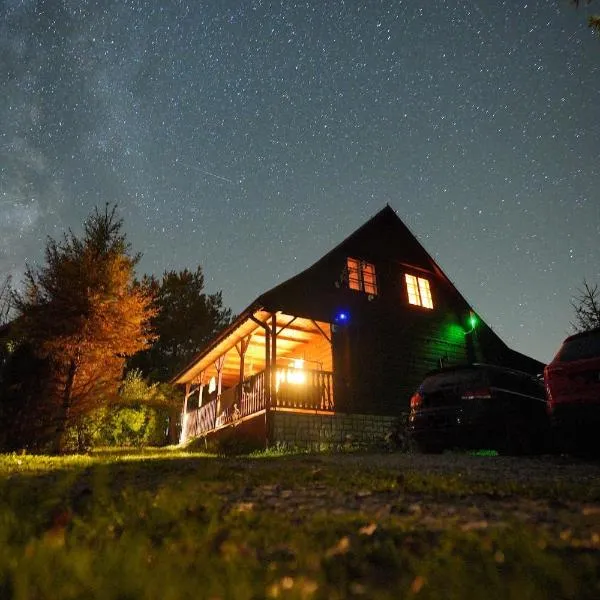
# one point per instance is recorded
(286, 325)
(322, 332)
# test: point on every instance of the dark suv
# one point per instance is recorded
(480, 406)
(573, 391)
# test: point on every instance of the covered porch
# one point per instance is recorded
(265, 361)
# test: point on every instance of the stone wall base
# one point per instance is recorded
(322, 432)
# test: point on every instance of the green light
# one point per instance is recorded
(473, 321)
(453, 333)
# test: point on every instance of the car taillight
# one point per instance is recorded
(416, 400)
(549, 401)
(477, 394)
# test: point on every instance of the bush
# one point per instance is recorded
(399, 439)
(136, 426)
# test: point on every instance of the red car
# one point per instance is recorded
(573, 392)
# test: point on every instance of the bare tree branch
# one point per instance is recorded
(586, 305)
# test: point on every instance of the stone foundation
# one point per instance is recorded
(329, 431)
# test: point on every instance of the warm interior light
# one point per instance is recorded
(368, 273)
(294, 374)
(425, 292)
(419, 292)
(413, 290)
(353, 274)
(361, 276)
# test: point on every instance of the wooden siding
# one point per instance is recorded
(388, 345)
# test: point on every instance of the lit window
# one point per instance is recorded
(361, 276)
(419, 292)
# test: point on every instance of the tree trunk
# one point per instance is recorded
(173, 430)
(63, 417)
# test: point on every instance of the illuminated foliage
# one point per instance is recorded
(83, 313)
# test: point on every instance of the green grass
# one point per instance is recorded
(170, 525)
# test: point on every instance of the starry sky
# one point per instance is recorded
(252, 136)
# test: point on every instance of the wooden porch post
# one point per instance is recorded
(268, 388)
(273, 360)
(188, 387)
(272, 398)
(219, 367)
(200, 381)
(241, 349)
(267, 384)
(183, 432)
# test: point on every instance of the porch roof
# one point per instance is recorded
(292, 334)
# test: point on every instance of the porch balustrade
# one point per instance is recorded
(296, 389)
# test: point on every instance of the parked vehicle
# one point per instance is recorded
(480, 406)
(573, 391)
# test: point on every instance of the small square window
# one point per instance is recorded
(361, 276)
(419, 292)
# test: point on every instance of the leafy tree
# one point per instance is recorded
(593, 20)
(84, 314)
(27, 420)
(586, 305)
(187, 318)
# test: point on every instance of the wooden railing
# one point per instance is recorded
(313, 391)
(199, 421)
(251, 400)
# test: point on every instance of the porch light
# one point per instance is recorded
(294, 374)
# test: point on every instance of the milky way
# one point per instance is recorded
(251, 137)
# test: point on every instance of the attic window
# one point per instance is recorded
(419, 292)
(361, 276)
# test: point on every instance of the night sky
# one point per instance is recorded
(251, 137)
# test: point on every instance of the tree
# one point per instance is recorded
(586, 305)
(187, 319)
(5, 300)
(593, 20)
(83, 313)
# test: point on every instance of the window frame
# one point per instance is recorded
(362, 276)
(418, 291)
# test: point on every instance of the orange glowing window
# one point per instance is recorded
(419, 292)
(361, 276)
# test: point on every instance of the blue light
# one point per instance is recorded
(342, 317)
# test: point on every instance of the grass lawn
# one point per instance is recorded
(169, 525)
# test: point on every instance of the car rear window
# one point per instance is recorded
(586, 346)
(458, 378)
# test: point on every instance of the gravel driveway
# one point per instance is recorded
(511, 506)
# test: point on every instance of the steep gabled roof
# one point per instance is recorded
(383, 233)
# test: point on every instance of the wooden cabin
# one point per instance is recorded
(335, 353)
